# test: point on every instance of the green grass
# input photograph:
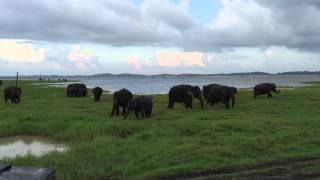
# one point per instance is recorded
(171, 142)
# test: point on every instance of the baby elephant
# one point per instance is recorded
(13, 93)
(140, 105)
(97, 92)
(77, 90)
(222, 94)
(121, 98)
(265, 88)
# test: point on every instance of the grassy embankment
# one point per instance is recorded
(171, 142)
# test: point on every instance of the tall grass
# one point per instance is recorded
(178, 141)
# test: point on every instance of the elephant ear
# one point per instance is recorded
(189, 93)
(195, 88)
(235, 90)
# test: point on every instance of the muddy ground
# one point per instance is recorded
(301, 168)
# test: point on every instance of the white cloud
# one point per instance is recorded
(178, 58)
(21, 52)
(269, 53)
(170, 59)
(83, 59)
(80, 55)
(135, 62)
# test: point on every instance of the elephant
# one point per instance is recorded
(184, 93)
(140, 105)
(265, 88)
(13, 93)
(223, 94)
(121, 98)
(207, 87)
(97, 92)
(77, 90)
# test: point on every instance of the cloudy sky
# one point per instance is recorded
(158, 36)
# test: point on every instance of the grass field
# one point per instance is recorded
(171, 142)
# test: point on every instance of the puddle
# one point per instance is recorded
(11, 147)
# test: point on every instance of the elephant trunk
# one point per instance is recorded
(127, 113)
(276, 91)
(233, 99)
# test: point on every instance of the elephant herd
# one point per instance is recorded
(142, 105)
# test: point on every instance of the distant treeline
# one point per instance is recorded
(56, 77)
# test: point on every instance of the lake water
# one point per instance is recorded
(10, 147)
(161, 85)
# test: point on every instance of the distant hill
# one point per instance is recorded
(300, 73)
(103, 75)
(117, 75)
(220, 74)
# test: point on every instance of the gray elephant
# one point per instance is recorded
(13, 93)
(140, 105)
(206, 88)
(184, 93)
(77, 90)
(97, 92)
(222, 94)
(265, 88)
(121, 98)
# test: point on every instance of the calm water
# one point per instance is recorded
(10, 147)
(160, 85)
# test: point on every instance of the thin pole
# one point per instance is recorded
(17, 79)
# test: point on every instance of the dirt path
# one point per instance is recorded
(299, 168)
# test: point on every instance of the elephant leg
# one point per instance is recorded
(143, 112)
(227, 103)
(171, 104)
(6, 99)
(113, 109)
(186, 105)
(137, 114)
(269, 95)
(124, 110)
(148, 114)
(117, 110)
(233, 100)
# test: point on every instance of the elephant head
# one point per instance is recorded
(196, 91)
(234, 91)
(274, 88)
(130, 107)
(205, 91)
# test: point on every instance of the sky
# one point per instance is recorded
(81, 37)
